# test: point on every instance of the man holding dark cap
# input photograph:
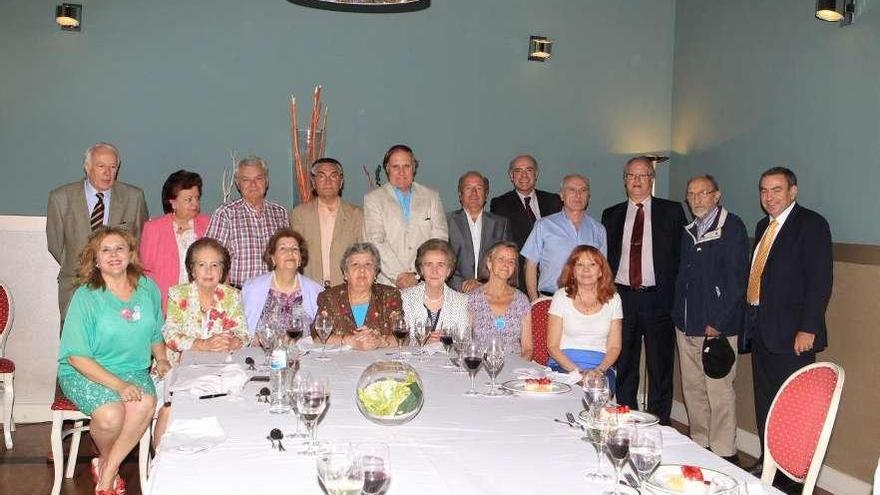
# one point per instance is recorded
(708, 314)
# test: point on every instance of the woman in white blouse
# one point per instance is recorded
(586, 317)
(431, 300)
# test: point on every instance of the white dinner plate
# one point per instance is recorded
(519, 387)
(637, 418)
(667, 480)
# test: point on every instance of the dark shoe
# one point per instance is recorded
(733, 459)
(757, 469)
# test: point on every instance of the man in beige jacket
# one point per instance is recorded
(400, 216)
(328, 223)
(78, 208)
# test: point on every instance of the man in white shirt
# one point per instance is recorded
(473, 231)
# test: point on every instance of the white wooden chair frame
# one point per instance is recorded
(770, 464)
(7, 379)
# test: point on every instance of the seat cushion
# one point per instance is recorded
(6, 365)
(62, 403)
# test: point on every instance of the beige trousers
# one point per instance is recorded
(710, 402)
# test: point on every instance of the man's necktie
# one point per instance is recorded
(754, 291)
(97, 219)
(529, 211)
(635, 248)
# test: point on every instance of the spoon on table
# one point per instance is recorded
(275, 436)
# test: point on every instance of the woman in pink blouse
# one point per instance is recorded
(165, 239)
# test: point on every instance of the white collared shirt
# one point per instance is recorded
(779, 220)
(648, 278)
(476, 227)
(533, 204)
(92, 200)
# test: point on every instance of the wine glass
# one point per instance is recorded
(597, 393)
(311, 400)
(400, 330)
(597, 427)
(323, 327)
(645, 451)
(493, 362)
(293, 327)
(617, 444)
(420, 334)
(376, 464)
(266, 337)
(294, 387)
(460, 339)
(472, 358)
(447, 334)
(339, 469)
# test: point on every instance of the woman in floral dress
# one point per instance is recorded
(497, 307)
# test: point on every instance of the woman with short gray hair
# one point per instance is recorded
(362, 310)
(432, 300)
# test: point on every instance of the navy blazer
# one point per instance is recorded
(509, 205)
(667, 220)
(796, 282)
(712, 277)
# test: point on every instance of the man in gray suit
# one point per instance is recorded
(473, 231)
(78, 208)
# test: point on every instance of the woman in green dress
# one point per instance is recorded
(111, 331)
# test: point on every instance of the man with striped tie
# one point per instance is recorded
(78, 208)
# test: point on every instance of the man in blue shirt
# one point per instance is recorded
(555, 236)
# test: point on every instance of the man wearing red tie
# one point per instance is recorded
(644, 246)
(789, 288)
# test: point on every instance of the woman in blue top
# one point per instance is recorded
(362, 310)
(112, 330)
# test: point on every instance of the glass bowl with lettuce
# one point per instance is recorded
(390, 393)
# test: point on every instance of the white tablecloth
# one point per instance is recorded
(456, 444)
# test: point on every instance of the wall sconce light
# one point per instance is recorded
(68, 16)
(540, 48)
(842, 11)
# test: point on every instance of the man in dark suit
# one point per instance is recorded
(644, 246)
(473, 231)
(789, 288)
(524, 204)
(78, 208)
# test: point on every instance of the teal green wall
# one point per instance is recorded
(184, 83)
(761, 83)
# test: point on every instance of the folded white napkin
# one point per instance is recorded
(193, 435)
(433, 348)
(214, 380)
(569, 378)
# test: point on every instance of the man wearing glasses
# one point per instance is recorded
(328, 222)
(524, 204)
(644, 244)
(709, 304)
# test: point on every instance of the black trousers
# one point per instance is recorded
(644, 318)
(769, 371)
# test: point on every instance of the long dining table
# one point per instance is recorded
(457, 444)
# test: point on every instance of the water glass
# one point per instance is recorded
(646, 451)
(493, 362)
(324, 328)
(339, 469)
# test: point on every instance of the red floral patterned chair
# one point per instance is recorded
(7, 366)
(539, 329)
(800, 422)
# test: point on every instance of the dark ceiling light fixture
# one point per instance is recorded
(842, 11)
(68, 16)
(366, 6)
(540, 48)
